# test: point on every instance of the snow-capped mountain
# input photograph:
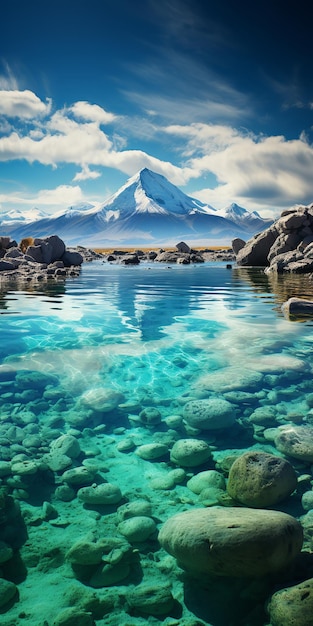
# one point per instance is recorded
(240, 216)
(15, 215)
(147, 210)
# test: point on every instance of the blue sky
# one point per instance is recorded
(216, 96)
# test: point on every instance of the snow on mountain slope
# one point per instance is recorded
(250, 221)
(15, 215)
(148, 192)
(147, 210)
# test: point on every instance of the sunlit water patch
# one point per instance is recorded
(111, 361)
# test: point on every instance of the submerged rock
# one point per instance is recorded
(210, 414)
(190, 452)
(232, 541)
(150, 599)
(105, 493)
(258, 479)
(295, 441)
(292, 606)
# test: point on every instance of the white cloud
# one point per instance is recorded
(86, 174)
(92, 113)
(259, 171)
(61, 196)
(23, 104)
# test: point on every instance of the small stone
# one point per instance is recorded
(151, 599)
(137, 529)
(134, 509)
(66, 445)
(79, 476)
(152, 451)
(204, 480)
(150, 416)
(190, 452)
(210, 414)
(72, 617)
(105, 493)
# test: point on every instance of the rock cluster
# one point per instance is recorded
(183, 255)
(286, 246)
(38, 259)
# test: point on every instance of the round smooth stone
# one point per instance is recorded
(105, 493)
(228, 541)
(296, 441)
(137, 529)
(259, 479)
(190, 452)
(79, 475)
(152, 451)
(205, 480)
(101, 399)
(210, 414)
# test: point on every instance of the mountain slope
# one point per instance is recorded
(147, 210)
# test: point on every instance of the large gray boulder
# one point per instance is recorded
(257, 249)
(227, 541)
(286, 246)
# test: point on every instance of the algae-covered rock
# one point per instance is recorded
(66, 445)
(151, 599)
(150, 416)
(292, 606)
(137, 529)
(79, 475)
(8, 591)
(105, 493)
(210, 414)
(296, 441)
(259, 479)
(232, 541)
(190, 452)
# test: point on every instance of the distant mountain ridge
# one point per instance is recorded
(147, 210)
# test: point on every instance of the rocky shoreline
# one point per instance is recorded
(48, 258)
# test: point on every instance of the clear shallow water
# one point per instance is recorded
(159, 336)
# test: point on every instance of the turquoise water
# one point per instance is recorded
(147, 337)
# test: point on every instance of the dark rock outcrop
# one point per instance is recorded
(38, 259)
(286, 246)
